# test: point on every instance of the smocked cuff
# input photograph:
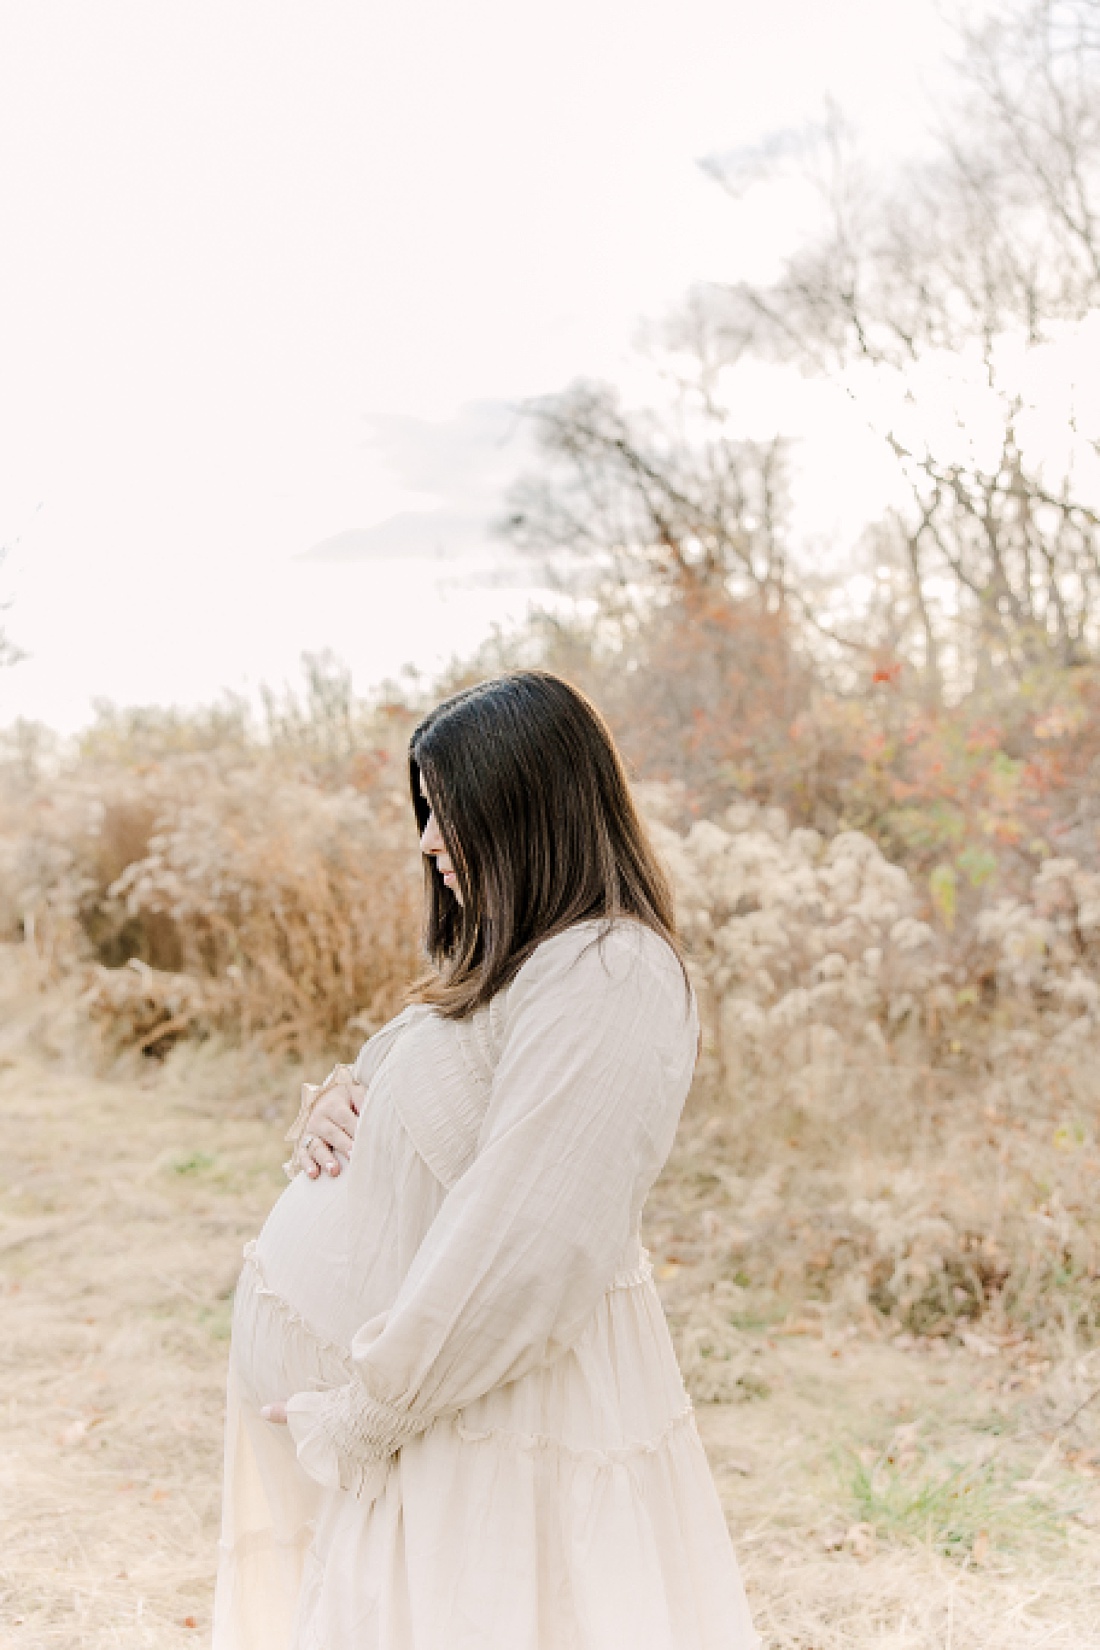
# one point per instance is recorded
(345, 1439)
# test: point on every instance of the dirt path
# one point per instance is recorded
(125, 1206)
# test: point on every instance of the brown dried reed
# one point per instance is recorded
(894, 1126)
(192, 897)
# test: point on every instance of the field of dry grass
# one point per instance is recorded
(910, 1495)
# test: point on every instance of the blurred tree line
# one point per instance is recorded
(935, 682)
(938, 688)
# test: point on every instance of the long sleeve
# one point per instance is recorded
(599, 1042)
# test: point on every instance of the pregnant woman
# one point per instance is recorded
(456, 1421)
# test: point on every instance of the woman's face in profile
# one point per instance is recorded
(432, 844)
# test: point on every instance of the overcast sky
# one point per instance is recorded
(275, 273)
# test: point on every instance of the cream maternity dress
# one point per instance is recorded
(490, 1445)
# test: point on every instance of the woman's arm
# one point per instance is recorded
(596, 1061)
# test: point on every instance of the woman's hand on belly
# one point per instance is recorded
(331, 1129)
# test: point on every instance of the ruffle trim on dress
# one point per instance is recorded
(532, 1441)
(290, 1314)
(627, 1277)
(344, 1438)
(632, 1277)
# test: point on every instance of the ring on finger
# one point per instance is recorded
(307, 1141)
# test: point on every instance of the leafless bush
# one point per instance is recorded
(895, 1125)
(197, 896)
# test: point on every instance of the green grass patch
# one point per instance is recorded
(192, 1163)
(951, 1507)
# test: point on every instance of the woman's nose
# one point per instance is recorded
(431, 842)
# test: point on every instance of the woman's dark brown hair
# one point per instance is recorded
(535, 810)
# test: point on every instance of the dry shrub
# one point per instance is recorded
(196, 896)
(891, 1127)
(705, 694)
(887, 1203)
(895, 1121)
(301, 905)
(812, 952)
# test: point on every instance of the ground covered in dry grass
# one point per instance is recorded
(904, 1495)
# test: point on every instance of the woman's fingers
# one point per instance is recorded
(320, 1158)
(341, 1102)
(331, 1129)
(336, 1128)
(275, 1413)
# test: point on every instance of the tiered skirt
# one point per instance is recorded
(572, 1509)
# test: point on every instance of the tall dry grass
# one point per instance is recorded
(894, 1127)
(265, 888)
(896, 1123)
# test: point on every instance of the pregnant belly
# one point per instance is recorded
(289, 1311)
(275, 1350)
